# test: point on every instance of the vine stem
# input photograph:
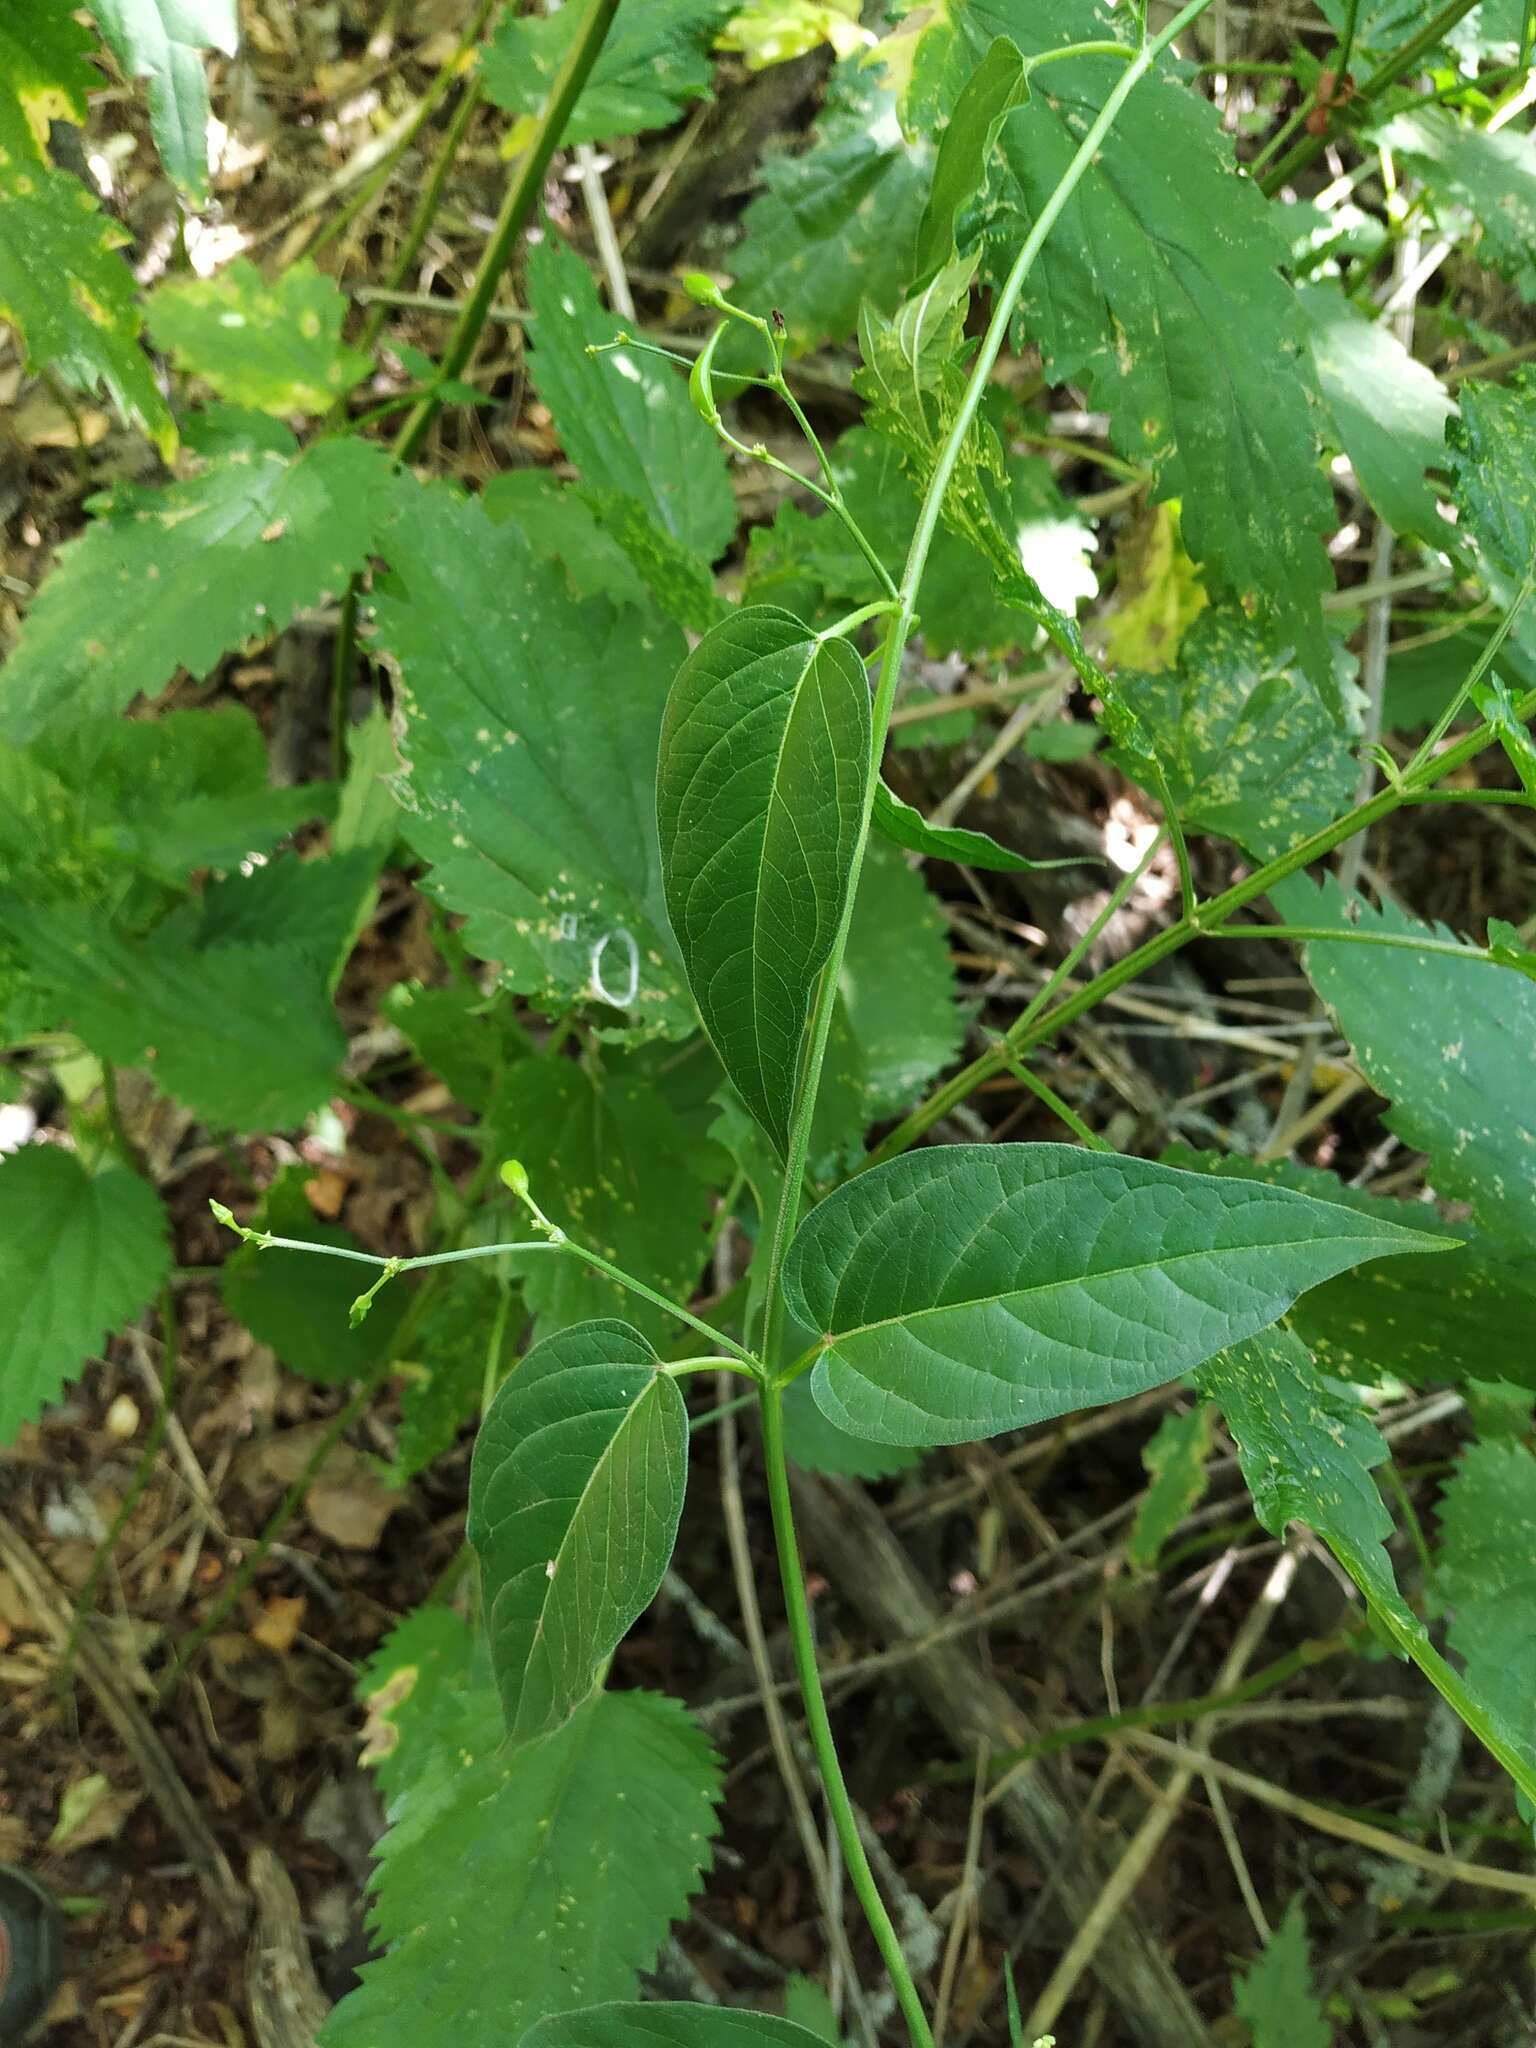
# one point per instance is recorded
(1030, 1029)
(819, 1727)
(898, 632)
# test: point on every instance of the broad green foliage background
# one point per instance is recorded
(626, 762)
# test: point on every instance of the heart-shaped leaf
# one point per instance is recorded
(574, 1499)
(765, 761)
(977, 1288)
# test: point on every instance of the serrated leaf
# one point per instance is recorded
(514, 1887)
(1276, 1996)
(43, 77)
(1491, 174)
(1160, 288)
(469, 1040)
(660, 2025)
(897, 987)
(1249, 748)
(529, 727)
(613, 1164)
(172, 578)
(765, 760)
(1175, 1461)
(88, 808)
(977, 1288)
(1388, 411)
(669, 570)
(835, 225)
(575, 1495)
(1486, 1570)
(1307, 1451)
(79, 1255)
(1447, 1041)
(1493, 462)
(163, 41)
(904, 826)
(86, 329)
(276, 346)
(653, 62)
(558, 523)
(148, 1002)
(453, 1357)
(1463, 1314)
(1160, 595)
(623, 418)
(297, 1303)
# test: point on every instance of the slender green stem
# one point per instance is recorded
(900, 628)
(1079, 50)
(1474, 676)
(1047, 1094)
(880, 609)
(1322, 934)
(1034, 1025)
(818, 1726)
(1187, 893)
(556, 1242)
(1341, 55)
(521, 198)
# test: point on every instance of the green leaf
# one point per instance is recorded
(1447, 1041)
(1462, 1314)
(79, 1256)
(298, 1304)
(1307, 1451)
(277, 347)
(87, 808)
(1486, 1571)
(467, 1039)
(658, 2025)
(88, 332)
(612, 1164)
(457, 1346)
(836, 225)
(671, 573)
(1160, 289)
(575, 1496)
(623, 418)
(1388, 412)
(529, 732)
(977, 1288)
(164, 41)
(1491, 175)
(907, 827)
(760, 792)
(897, 988)
(558, 523)
(511, 1887)
(1249, 748)
(1175, 1461)
(172, 578)
(994, 88)
(1495, 705)
(1276, 1997)
(44, 77)
(654, 60)
(148, 1002)
(1493, 462)
(818, 1445)
(767, 32)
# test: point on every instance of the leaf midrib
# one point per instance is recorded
(1108, 1273)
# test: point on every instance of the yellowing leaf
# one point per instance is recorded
(1161, 595)
(768, 32)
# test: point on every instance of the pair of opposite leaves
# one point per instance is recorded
(948, 1295)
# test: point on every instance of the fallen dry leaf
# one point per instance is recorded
(279, 1622)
